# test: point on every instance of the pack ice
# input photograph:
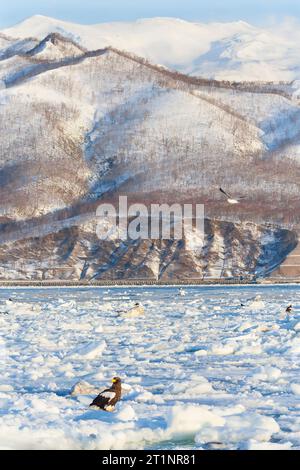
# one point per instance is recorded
(199, 371)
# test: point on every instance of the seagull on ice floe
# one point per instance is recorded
(108, 399)
(230, 199)
(181, 292)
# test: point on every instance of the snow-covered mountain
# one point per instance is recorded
(81, 121)
(231, 51)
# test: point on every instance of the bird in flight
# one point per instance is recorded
(231, 200)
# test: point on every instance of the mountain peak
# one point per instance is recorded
(34, 19)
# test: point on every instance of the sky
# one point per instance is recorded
(98, 11)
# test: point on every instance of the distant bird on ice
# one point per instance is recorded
(181, 292)
(289, 308)
(230, 199)
(108, 399)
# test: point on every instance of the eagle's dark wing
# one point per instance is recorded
(224, 192)
(104, 399)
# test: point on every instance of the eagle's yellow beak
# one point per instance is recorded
(113, 381)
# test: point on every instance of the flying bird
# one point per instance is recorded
(108, 399)
(230, 199)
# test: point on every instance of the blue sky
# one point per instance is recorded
(96, 11)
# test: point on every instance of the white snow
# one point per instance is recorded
(270, 374)
(91, 350)
(218, 378)
(22, 308)
(239, 427)
(253, 445)
(257, 303)
(187, 420)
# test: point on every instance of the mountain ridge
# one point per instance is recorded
(233, 51)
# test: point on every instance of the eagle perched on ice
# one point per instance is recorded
(108, 399)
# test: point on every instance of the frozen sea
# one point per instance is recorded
(199, 371)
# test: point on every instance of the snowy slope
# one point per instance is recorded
(120, 120)
(76, 124)
(234, 51)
